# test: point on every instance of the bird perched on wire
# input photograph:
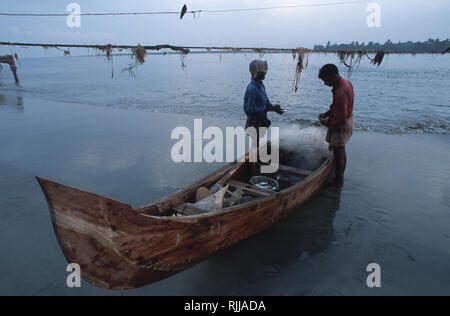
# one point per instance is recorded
(183, 11)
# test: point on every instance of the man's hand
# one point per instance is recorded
(277, 108)
(323, 119)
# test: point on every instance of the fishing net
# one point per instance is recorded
(302, 63)
(306, 146)
(350, 59)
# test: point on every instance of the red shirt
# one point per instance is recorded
(342, 108)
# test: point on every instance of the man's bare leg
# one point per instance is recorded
(340, 157)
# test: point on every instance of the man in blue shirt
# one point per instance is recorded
(256, 102)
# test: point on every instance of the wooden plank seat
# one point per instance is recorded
(230, 174)
(294, 171)
(250, 189)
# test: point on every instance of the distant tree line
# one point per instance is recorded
(430, 45)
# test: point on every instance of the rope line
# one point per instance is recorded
(188, 12)
(93, 14)
(186, 49)
(287, 6)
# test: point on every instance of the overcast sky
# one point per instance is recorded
(401, 20)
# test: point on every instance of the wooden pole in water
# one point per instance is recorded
(9, 59)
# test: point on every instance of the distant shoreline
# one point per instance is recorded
(400, 47)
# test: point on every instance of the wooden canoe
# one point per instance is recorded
(120, 247)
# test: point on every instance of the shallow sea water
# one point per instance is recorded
(406, 94)
(394, 209)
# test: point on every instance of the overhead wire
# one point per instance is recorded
(188, 12)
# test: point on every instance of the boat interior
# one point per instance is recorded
(234, 187)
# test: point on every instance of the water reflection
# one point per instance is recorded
(306, 232)
(17, 101)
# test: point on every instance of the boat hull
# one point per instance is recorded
(119, 248)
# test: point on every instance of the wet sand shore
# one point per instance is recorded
(394, 209)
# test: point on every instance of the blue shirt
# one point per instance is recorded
(256, 102)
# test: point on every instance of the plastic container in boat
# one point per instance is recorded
(265, 183)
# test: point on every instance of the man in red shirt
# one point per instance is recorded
(339, 119)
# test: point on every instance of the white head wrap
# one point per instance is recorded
(258, 66)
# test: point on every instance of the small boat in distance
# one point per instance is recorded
(119, 247)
